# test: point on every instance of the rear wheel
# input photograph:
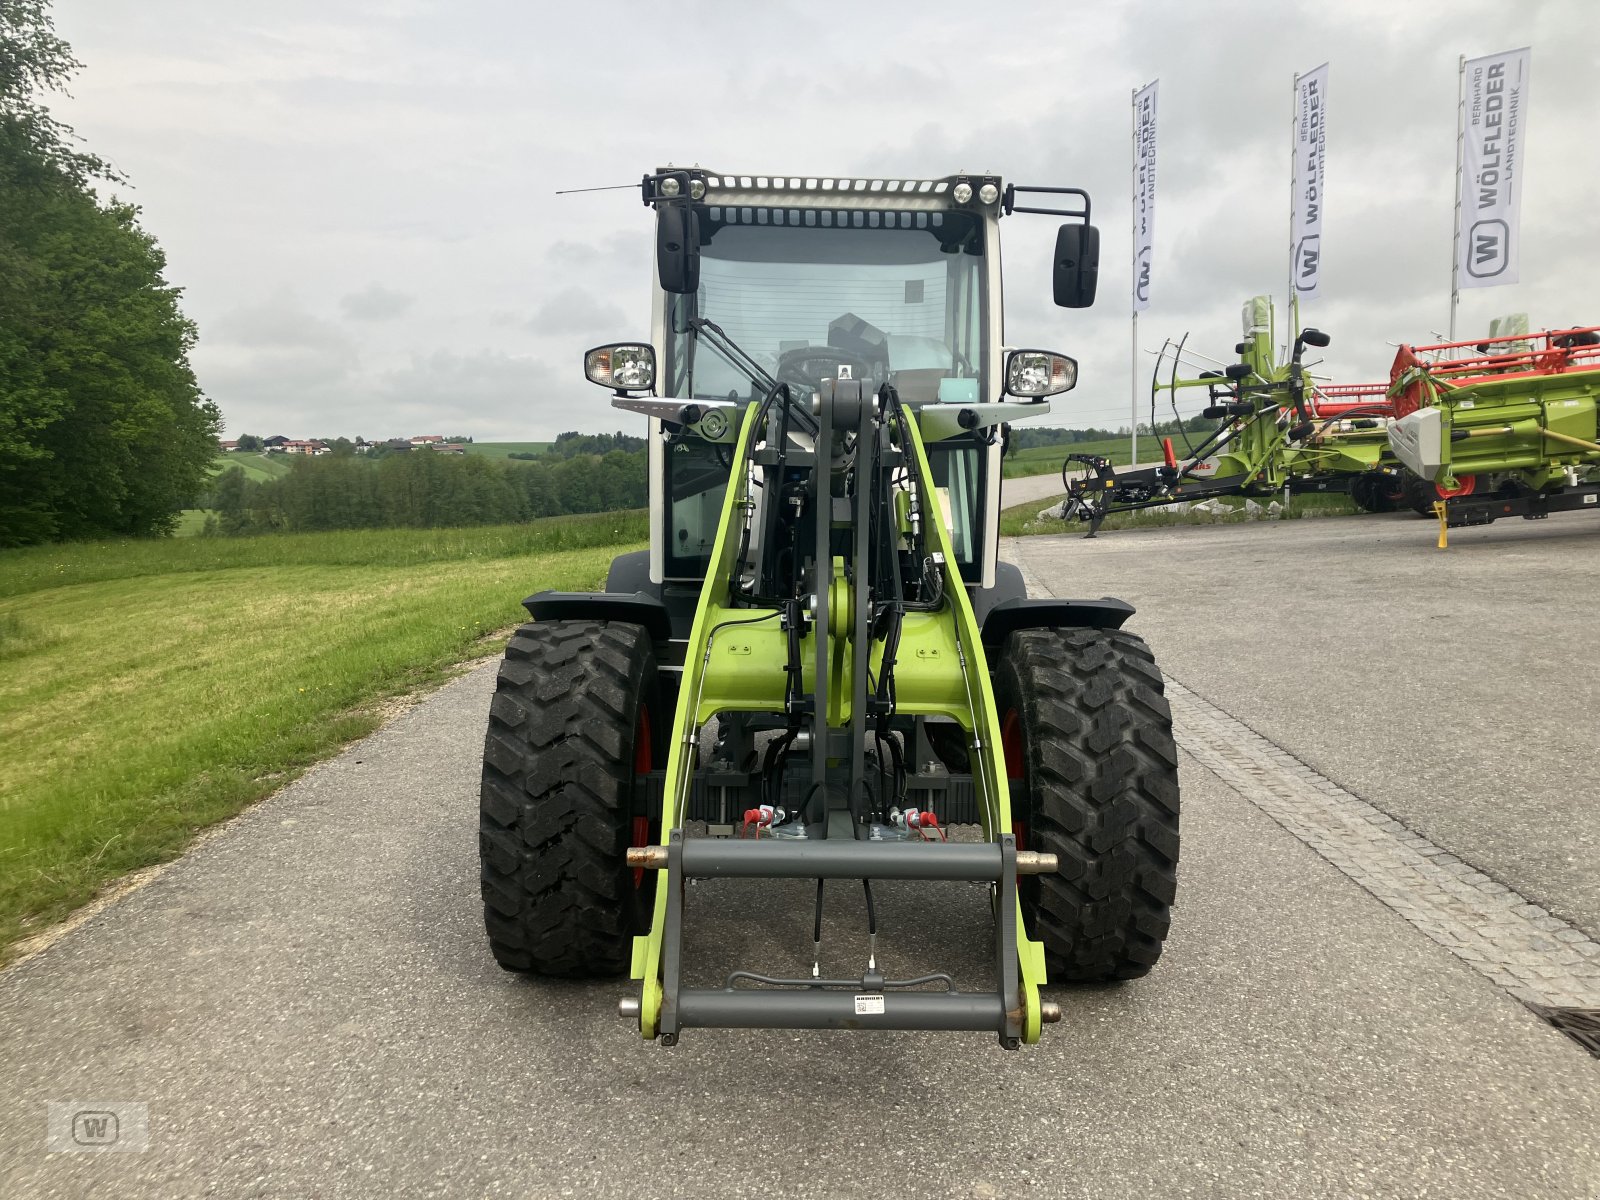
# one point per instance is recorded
(575, 721)
(1088, 741)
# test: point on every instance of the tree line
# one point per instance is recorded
(103, 429)
(423, 491)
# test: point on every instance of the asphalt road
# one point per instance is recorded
(1457, 689)
(1026, 488)
(306, 1004)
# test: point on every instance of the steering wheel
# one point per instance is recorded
(808, 366)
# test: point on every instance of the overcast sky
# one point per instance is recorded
(357, 196)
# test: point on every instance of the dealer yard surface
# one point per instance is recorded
(307, 1006)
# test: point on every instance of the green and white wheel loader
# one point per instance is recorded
(820, 670)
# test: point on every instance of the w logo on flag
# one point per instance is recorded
(1488, 252)
(1307, 258)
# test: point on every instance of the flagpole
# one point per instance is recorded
(1455, 241)
(1293, 305)
(1133, 257)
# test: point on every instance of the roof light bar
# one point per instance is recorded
(713, 187)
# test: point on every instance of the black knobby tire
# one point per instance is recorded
(1418, 494)
(1376, 492)
(1087, 728)
(575, 719)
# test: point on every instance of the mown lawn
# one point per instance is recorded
(148, 689)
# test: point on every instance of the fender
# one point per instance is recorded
(637, 609)
(1009, 616)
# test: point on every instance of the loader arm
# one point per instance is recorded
(735, 662)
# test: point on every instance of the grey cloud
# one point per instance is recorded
(573, 310)
(277, 324)
(368, 141)
(376, 303)
(487, 394)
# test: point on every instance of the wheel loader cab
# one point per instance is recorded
(891, 282)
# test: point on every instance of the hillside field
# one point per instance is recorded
(507, 449)
(259, 467)
(154, 687)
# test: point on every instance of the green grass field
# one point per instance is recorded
(151, 688)
(259, 467)
(506, 449)
(1040, 460)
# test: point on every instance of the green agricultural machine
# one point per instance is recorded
(1276, 433)
(1507, 430)
(819, 671)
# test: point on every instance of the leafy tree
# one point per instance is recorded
(34, 61)
(103, 430)
(250, 442)
(230, 500)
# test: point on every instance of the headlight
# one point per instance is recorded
(988, 193)
(962, 192)
(623, 367)
(1033, 374)
(670, 186)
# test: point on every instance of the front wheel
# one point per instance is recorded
(575, 723)
(1088, 743)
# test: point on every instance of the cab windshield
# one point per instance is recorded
(813, 294)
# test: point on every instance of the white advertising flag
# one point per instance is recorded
(1144, 192)
(1310, 148)
(1494, 130)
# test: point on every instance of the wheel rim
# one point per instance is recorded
(1465, 486)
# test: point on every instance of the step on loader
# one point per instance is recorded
(819, 670)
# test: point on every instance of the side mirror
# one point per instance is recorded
(622, 366)
(678, 248)
(1035, 374)
(1076, 268)
(1314, 337)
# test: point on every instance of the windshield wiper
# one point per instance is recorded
(731, 352)
(742, 361)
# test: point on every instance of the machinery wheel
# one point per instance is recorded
(1376, 492)
(575, 719)
(1417, 494)
(1088, 732)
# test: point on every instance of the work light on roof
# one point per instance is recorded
(988, 193)
(670, 186)
(962, 192)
